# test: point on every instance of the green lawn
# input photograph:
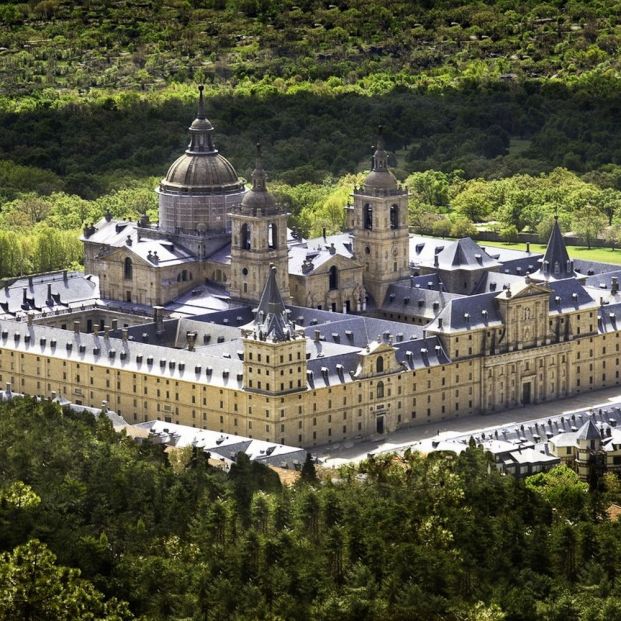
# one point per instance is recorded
(604, 255)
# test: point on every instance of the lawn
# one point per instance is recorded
(603, 255)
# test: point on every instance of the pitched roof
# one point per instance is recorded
(588, 431)
(271, 319)
(555, 264)
(465, 253)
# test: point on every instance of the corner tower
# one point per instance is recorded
(274, 350)
(380, 231)
(259, 240)
(556, 264)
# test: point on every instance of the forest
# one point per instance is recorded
(475, 97)
(95, 526)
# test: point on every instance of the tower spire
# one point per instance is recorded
(201, 103)
(201, 130)
(379, 157)
(271, 319)
(258, 174)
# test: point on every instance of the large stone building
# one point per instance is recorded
(304, 342)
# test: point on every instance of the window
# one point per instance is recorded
(128, 269)
(394, 216)
(245, 237)
(380, 390)
(333, 278)
(379, 364)
(272, 236)
(367, 216)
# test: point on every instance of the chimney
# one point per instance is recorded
(324, 233)
(528, 247)
(440, 320)
(191, 340)
(49, 291)
(124, 333)
(158, 319)
(614, 286)
(76, 327)
(25, 295)
(29, 317)
(104, 406)
(106, 331)
(65, 275)
(436, 261)
(317, 336)
(30, 281)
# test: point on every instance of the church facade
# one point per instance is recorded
(305, 342)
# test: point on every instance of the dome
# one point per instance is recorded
(258, 201)
(380, 178)
(202, 172)
(383, 180)
(201, 169)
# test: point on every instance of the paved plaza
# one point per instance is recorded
(351, 452)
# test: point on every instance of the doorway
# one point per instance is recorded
(347, 307)
(526, 393)
(379, 424)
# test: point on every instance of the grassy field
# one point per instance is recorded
(604, 255)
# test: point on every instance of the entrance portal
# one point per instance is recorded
(526, 393)
(379, 424)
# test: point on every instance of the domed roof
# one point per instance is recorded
(201, 169)
(258, 201)
(202, 172)
(380, 178)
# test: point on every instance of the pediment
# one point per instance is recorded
(525, 290)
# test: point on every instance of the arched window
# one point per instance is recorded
(380, 390)
(394, 216)
(379, 364)
(272, 236)
(184, 275)
(367, 216)
(245, 236)
(128, 269)
(334, 278)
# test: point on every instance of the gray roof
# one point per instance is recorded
(48, 293)
(588, 431)
(569, 295)
(416, 301)
(271, 319)
(555, 264)
(465, 254)
(467, 313)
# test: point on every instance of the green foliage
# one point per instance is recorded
(439, 537)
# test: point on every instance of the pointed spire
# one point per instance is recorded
(271, 318)
(556, 264)
(258, 174)
(201, 103)
(379, 157)
(201, 130)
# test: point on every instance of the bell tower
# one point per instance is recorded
(259, 240)
(380, 231)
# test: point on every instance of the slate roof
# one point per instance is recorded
(569, 295)
(465, 254)
(114, 234)
(555, 264)
(468, 312)
(415, 301)
(223, 445)
(46, 293)
(316, 255)
(588, 431)
(271, 319)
